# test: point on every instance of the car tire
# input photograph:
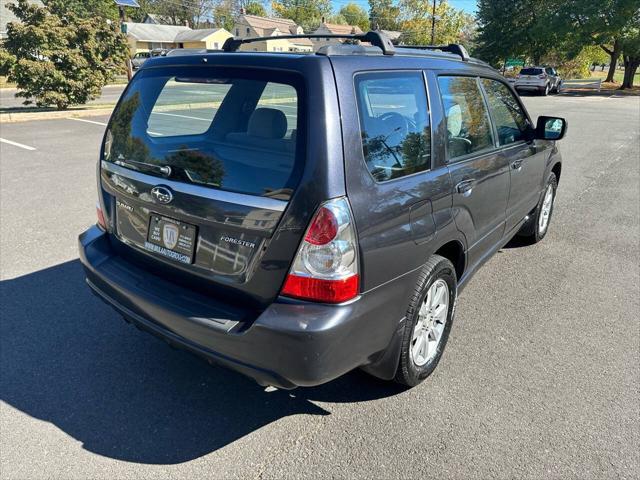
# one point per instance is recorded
(545, 92)
(536, 228)
(428, 321)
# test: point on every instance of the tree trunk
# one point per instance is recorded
(614, 55)
(630, 67)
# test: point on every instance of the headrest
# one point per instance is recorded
(267, 123)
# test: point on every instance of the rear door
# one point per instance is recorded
(479, 173)
(526, 159)
(199, 166)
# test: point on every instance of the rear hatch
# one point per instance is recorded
(529, 76)
(198, 168)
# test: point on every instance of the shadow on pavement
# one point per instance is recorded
(68, 359)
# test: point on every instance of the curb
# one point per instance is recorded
(31, 116)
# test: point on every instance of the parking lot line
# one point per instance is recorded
(88, 121)
(183, 116)
(16, 144)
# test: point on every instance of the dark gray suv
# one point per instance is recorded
(296, 216)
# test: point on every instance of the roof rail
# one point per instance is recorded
(375, 38)
(454, 48)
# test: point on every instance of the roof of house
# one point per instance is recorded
(198, 35)
(261, 24)
(7, 15)
(154, 18)
(337, 29)
(392, 34)
(149, 32)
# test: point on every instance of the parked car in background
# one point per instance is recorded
(139, 58)
(325, 214)
(544, 80)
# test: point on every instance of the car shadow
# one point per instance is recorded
(66, 358)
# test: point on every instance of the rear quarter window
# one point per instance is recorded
(394, 123)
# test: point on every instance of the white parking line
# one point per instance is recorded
(16, 144)
(183, 116)
(88, 121)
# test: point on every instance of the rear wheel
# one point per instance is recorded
(545, 92)
(429, 320)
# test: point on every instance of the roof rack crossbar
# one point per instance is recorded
(454, 48)
(375, 38)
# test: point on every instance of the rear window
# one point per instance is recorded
(223, 128)
(531, 71)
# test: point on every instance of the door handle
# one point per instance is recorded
(516, 164)
(465, 187)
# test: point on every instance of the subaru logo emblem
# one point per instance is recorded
(162, 194)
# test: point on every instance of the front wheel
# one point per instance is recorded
(428, 323)
(537, 226)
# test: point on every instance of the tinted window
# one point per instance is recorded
(468, 126)
(508, 117)
(394, 123)
(531, 71)
(224, 128)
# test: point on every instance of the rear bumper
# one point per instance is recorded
(520, 86)
(290, 344)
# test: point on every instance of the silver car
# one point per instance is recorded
(540, 79)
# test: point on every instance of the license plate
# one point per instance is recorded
(171, 238)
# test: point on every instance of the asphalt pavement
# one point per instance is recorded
(541, 377)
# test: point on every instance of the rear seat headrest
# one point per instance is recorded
(267, 123)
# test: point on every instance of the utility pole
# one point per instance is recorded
(433, 23)
(123, 26)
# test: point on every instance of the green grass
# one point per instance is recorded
(617, 77)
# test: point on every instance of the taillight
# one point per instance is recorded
(101, 221)
(326, 265)
(518, 76)
(543, 75)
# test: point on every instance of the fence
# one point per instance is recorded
(589, 83)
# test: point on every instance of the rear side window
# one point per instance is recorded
(394, 123)
(229, 129)
(531, 71)
(508, 117)
(468, 125)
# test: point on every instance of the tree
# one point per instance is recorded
(602, 23)
(224, 13)
(451, 24)
(59, 58)
(384, 15)
(520, 28)
(306, 13)
(354, 14)
(631, 53)
(255, 8)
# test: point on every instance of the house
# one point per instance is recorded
(333, 29)
(210, 38)
(7, 16)
(144, 37)
(156, 19)
(392, 35)
(249, 26)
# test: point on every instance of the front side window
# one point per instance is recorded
(510, 120)
(468, 125)
(394, 123)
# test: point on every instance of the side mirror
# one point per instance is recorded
(550, 128)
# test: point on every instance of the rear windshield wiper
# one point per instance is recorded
(149, 167)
